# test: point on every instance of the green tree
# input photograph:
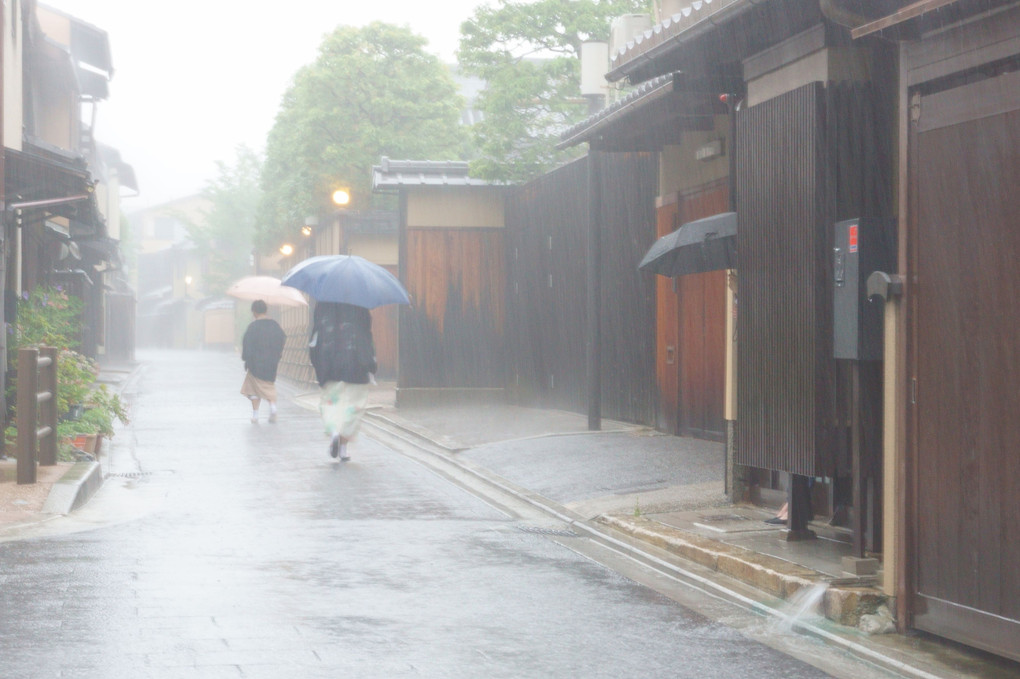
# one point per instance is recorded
(224, 238)
(528, 52)
(371, 92)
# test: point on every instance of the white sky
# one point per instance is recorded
(194, 79)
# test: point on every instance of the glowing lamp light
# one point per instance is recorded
(286, 249)
(342, 197)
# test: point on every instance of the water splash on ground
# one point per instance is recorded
(804, 605)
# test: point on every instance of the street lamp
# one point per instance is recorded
(311, 222)
(286, 249)
(342, 197)
(187, 282)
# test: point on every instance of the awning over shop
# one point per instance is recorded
(112, 167)
(43, 183)
(95, 251)
(655, 114)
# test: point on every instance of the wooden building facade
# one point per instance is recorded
(887, 129)
(547, 232)
(452, 262)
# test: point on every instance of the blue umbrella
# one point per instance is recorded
(346, 278)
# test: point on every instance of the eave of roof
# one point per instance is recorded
(406, 173)
(674, 100)
(916, 17)
(88, 43)
(695, 19)
(47, 180)
(645, 93)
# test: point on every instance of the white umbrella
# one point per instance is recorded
(267, 289)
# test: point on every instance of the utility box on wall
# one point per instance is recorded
(859, 248)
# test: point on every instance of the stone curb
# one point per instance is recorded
(74, 488)
(776, 577)
(421, 433)
(885, 651)
(842, 604)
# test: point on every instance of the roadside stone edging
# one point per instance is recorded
(427, 435)
(74, 488)
(776, 577)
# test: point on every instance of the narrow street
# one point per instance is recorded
(222, 548)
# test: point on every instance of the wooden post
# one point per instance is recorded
(47, 400)
(594, 298)
(28, 382)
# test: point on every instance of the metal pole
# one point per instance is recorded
(593, 266)
(856, 461)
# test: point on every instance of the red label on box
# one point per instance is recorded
(853, 238)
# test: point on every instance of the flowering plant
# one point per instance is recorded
(47, 316)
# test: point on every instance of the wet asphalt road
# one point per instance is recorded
(219, 548)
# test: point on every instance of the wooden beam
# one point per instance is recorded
(911, 11)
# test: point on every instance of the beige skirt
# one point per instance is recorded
(252, 387)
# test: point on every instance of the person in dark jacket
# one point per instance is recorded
(261, 349)
(343, 356)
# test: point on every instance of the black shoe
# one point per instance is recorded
(334, 448)
(776, 521)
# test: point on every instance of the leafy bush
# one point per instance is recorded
(47, 317)
(76, 374)
(101, 407)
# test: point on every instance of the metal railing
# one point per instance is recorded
(37, 410)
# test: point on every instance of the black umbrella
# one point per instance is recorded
(707, 244)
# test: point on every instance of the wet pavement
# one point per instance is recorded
(462, 541)
(218, 548)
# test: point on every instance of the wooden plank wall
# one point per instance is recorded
(811, 157)
(667, 345)
(702, 333)
(547, 225)
(784, 353)
(452, 335)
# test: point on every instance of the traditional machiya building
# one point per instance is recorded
(451, 259)
(867, 152)
(62, 188)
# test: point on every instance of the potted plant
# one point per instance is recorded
(102, 408)
(76, 434)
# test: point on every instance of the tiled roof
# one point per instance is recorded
(645, 91)
(398, 173)
(693, 19)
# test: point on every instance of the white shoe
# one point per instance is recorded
(344, 455)
(254, 418)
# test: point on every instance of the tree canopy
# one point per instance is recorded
(225, 237)
(528, 52)
(372, 92)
